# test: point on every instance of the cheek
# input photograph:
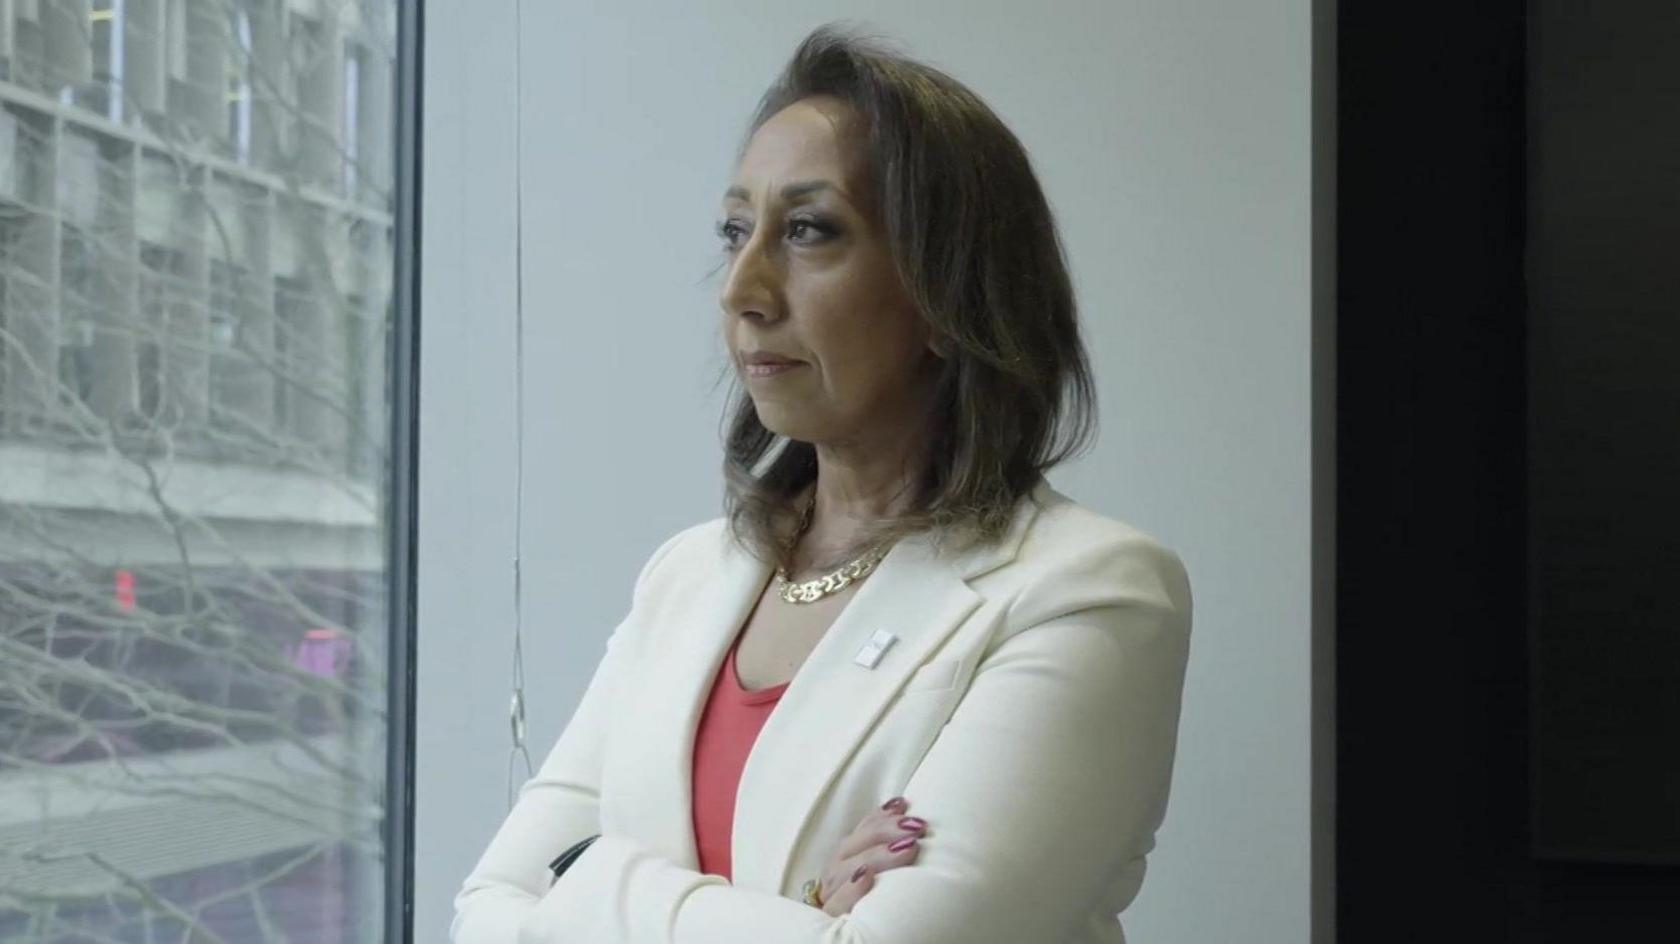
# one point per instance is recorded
(868, 360)
(862, 332)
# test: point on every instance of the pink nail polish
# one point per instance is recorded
(902, 844)
(894, 805)
(912, 822)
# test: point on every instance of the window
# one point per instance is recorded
(195, 404)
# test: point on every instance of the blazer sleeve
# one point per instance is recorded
(556, 808)
(1044, 790)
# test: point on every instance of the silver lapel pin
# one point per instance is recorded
(872, 650)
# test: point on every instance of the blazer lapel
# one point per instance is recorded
(832, 703)
(916, 594)
(658, 786)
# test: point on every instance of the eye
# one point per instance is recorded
(730, 230)
(727, 230)
(809, 223)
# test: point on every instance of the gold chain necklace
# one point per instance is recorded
(810, 591)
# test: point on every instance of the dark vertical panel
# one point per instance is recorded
(1604, 355)
(1435, 689)
(1431, 687)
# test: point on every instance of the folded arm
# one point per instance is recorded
(1044, 789)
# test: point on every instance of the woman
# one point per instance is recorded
(897, 615)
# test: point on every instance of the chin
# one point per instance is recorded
(782, 422)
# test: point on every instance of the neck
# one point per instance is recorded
(855, 488)
(854, 495)
(864, 478)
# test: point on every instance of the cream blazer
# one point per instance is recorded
(1028, 710)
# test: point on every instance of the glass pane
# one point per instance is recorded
(196, 257)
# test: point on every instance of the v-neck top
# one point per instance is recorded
(729, 725)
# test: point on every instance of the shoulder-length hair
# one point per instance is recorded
(978, 252)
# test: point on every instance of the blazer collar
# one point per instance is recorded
(915, 592)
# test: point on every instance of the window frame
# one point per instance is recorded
(403, 493)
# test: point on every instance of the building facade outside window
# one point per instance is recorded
(196, 311)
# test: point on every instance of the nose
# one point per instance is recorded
(753, 285)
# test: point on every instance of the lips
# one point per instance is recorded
(761, 358)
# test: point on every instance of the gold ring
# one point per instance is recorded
(812, 893)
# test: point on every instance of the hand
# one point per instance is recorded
(866, 853)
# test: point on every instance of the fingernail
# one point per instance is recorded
(894, 805)
(912, 822)
(856, 876)
(902, 844)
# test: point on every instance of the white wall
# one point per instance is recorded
(1173, 139)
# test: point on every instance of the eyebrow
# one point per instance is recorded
(791, 192)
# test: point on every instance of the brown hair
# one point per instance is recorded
(978, 252)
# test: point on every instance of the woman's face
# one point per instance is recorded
(810, 279)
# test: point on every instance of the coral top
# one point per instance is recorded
(728, 727)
